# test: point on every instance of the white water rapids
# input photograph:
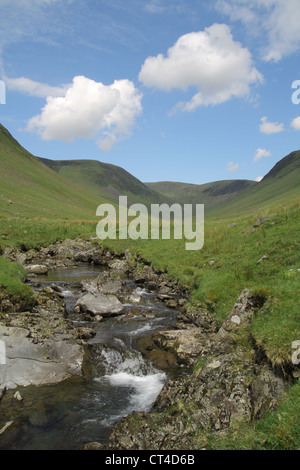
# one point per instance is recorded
(140, 380)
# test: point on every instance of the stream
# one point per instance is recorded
(82, 410)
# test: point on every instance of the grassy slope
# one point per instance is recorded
(30, 189)
(105, 180)
(229, 198)
(280, 185)
(211, 194)
(235, 250)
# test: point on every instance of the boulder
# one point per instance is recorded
(37, 269)
(100, 304)
(44, 363)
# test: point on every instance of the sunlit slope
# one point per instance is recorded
(280, 186)
(28, 188)
(105, 180)
(234, 197)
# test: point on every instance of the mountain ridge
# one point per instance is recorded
(75, 188)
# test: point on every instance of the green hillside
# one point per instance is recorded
(31, 189)
(211, 194)
(280, 186)
(105, 180)
(227, 198)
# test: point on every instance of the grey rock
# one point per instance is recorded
(100, 304)
(37, 269)
(37, 364)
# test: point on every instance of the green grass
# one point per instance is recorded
(31, 189)
(236, 254)
(105, 180)
(37, 232)
(228, 198)
(39, 207)
(278, 430)
(12, 287)
(211, 194)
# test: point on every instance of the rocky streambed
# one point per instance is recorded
(73, 364)
(110, 357)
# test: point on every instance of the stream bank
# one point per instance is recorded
(206, 378)
(74, 358)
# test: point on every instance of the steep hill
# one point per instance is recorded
(28, 188)
(105, 180)
(281, 185)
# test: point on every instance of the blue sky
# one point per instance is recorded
(170, 90)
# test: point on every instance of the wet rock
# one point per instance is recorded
(226, 386)
(18, 396)
(86, 333)
(37, 269)
(28, 363)
(105, 305)
(118, 265)
(104, 284)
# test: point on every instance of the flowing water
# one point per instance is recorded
(82, 410)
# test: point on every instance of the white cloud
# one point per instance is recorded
(231, 166)
(270, 127)
(32, 88)
(88, 110)
(209, 60)
(261, 153)
(259, 179)
(276, 20)
(296, 123)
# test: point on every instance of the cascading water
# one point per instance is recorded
(139, 381)
(68, 415)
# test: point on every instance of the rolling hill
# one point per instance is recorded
(73, 189)
(30, 189)
(105, 180)
(211, 194)
(280, 185)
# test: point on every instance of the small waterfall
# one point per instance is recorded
(141, 382)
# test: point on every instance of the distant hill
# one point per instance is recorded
(281, 185)
(28, 188)
(211, 194)
(105, 180)
(38, 187)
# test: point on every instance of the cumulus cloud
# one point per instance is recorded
(231, 166)
(90, 109)
(277, 20)
(296, 123)
(259, 179)
(270, 127)
(210, 60)
(261, 153)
